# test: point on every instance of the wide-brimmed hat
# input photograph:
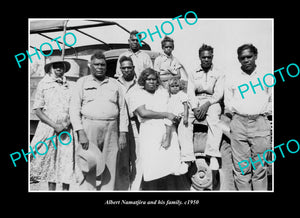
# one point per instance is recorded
(91, 158)
(57, 60)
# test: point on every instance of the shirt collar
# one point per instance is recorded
(254, 73)
(50, 79)
(167, 56)
(199, 68)
(134, 53)
(122, 81)
(100, 82)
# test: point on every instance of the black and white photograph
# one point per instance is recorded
(182, 104)
(180, 107)
(176, 106)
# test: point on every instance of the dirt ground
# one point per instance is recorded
(226, 175)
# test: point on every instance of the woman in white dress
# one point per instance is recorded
(161, 166)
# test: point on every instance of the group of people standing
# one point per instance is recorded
(135, 131)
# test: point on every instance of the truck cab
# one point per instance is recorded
(78, 55)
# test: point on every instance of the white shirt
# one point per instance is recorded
(99, 100)
(129, 88)
(164, 62)
(141, 61)
(210, 83)
(251, 104)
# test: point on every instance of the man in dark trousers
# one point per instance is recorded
(129, 173)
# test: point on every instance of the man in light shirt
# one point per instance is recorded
(129, 174)
(250, 128)
(141, 60)
(205, 90)
(98, 114)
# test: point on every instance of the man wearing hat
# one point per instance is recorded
(98, 114)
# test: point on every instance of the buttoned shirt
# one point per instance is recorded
(100, 100)
(251, 104)
(141, 60)
(129, 88)
(164, 62)
(209, 85)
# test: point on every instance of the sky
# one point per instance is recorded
(224, 35)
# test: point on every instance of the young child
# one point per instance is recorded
(178, 105)
(166, 64)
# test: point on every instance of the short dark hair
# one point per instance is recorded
(205, 47)
(133, 33)
(166, 39)
(144, 75)
(98, 55)
(247, 46)
(125, 58)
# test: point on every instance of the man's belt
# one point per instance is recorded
(96, 118)
(249, 116)
(202, 93)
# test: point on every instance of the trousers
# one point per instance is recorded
(129, 171)
(104, 134)
(136, 173)
(250, 138)
(214, 134)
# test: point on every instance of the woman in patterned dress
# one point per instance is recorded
(51, 105)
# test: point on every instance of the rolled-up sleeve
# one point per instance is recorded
(75, 106)
(218, 89)
(191, 92)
